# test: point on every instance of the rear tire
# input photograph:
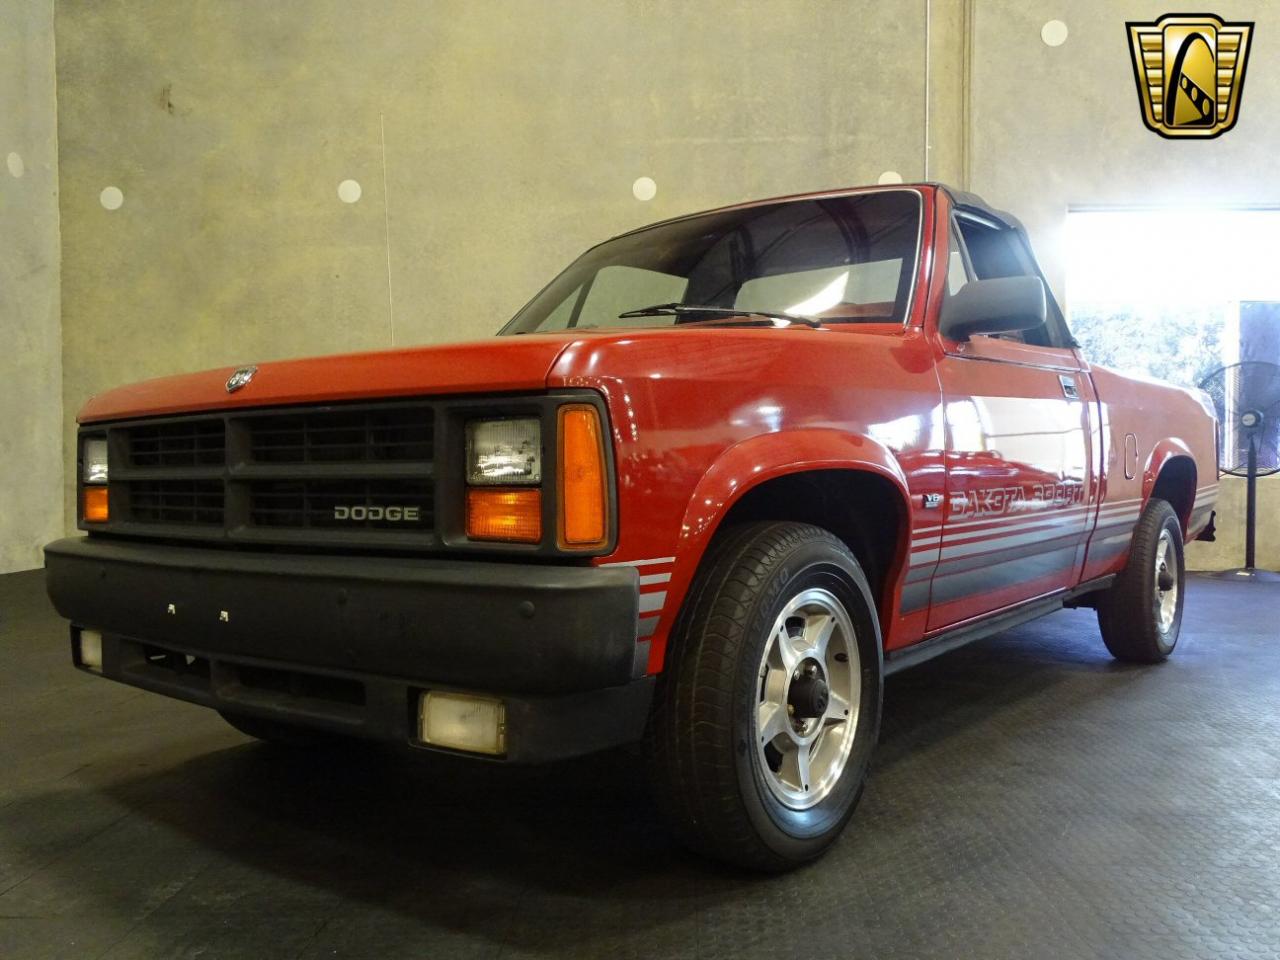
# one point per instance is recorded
(1141, 613)
(281, 734)
(768, 708)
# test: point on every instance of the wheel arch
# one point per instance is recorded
(804, 475)
(1171, 475)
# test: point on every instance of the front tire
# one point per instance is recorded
(1141, 614)
(769, 705)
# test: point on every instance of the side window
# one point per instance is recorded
(957, 268)
(997, 251)
(617, 289)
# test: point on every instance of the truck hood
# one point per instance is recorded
(497, 364)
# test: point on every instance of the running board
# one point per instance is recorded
(958, 637)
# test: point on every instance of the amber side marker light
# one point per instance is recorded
(95, 504)
(584, 503)
(498, 513)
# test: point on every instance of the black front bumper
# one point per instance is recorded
(350, 643)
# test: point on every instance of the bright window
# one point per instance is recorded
(1174, 293)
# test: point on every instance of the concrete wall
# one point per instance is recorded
(492, 142)
(31, 461)
(1054, 127)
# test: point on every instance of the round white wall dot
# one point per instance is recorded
(1054, 33)
(890, 176)
(644, 188)
(16, 167)
(349, 191)
(112, 198)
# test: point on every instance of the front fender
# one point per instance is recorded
(756, 460)
(767, 456)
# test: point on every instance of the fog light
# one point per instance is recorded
(90, 650)
(460, 721)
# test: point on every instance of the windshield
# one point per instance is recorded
(844, 259)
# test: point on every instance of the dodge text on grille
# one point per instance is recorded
(358, 512)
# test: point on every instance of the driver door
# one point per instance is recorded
(1017, 455)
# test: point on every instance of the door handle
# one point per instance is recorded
(1068, 387)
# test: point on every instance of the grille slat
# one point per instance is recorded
(177, 501)
(368, 436)
(183, 444)
(366, 472)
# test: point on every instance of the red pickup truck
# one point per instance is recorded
(705, 491)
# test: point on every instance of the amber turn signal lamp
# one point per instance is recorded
(498, 513)
(584, 504)
(95, 504)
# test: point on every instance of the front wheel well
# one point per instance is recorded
(863, 509)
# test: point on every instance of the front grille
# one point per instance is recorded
(342, 504)
(364, 436)
(186, 443)
(177, 501)
(354, 475)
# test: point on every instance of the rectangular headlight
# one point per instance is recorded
(94, 457)
(504, 452)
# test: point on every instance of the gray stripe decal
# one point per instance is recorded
(961, 564)
(1123, 525)
(652, 602)
(1006, 543)
(1016, 524)
(646, 627)
(916, 574)
(993, 576)
(915, 596)
(1107, 550)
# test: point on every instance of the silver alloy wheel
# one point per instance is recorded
(810, 687)
(1166, 574)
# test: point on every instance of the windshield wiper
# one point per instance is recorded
(694, 310)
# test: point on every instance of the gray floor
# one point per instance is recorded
(1030, 798)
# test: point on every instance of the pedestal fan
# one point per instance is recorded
(1247, 399)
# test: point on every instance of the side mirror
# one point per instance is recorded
(1001, 305)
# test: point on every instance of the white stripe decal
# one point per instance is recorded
(639, 563)
(1004, 543)
(1003, 526)
(934, 543)
(1056, 512)
(1063, 520)
(995, 544)
(654, 578)
(1000, 525)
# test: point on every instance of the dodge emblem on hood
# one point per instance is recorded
(238, 379)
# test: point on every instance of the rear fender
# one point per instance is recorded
(1166, 450)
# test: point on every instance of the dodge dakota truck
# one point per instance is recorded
(712, 485)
